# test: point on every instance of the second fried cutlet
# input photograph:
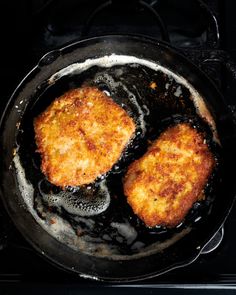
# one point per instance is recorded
(162, 185)
(80, 136)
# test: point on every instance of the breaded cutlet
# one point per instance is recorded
(80, 136)
(163, 184)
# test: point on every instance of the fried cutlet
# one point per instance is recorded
(80, 136)
(163, 184)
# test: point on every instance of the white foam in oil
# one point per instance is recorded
(125, 230)
(26, 189)
(81, 204)
(59, 228)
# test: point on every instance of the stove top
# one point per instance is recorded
(202, 30)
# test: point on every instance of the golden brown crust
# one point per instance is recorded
(80, 136)
(163, 184)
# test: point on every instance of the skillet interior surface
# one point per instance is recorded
(113, 245)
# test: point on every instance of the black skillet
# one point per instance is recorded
(166, 107)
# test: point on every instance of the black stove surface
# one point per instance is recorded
(203, 30)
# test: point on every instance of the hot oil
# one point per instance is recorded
(100, 220)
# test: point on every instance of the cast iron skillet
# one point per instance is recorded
(19, 111)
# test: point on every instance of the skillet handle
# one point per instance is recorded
(214, 242)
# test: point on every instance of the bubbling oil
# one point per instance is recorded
(96, 218)
(88, 201)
